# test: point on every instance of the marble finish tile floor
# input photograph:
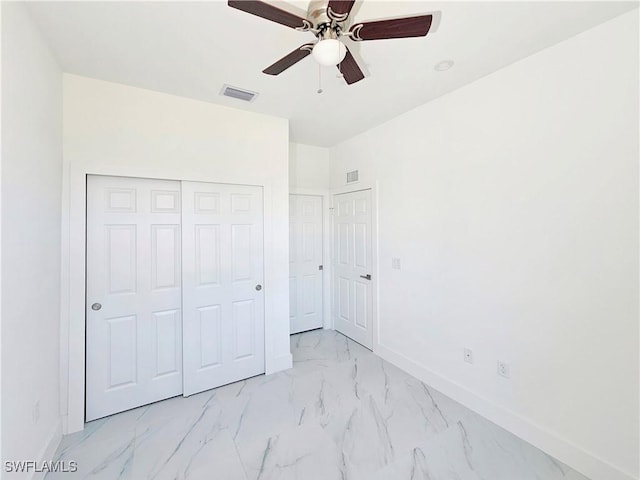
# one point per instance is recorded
(341, 413)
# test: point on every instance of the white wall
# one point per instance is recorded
(309, 166)
(31, 186)
(120, 130)
(513, 206)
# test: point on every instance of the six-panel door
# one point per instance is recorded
(223, 295)
(175, 301)
(353, 266)
(133, 316)
(305, 262)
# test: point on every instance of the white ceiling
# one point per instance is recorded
(193, 48)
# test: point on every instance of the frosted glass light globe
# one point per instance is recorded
(329, 52)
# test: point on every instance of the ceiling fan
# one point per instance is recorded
(328, 21)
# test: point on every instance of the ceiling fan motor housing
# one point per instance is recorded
(326, 26)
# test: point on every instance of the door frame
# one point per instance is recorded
(374, 253)
(73, 281)
(327, 272)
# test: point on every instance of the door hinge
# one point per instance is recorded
(320, 267)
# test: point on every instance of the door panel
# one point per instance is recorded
(243, 329)
(305, 259)
(122, 351)
(134, 340)
(207, 254)
(353, 261)
(223, 328)
(241, 248)
(361, 302)
(210, 336)
(168, 348)
(361, 245)
(309, 288)
(344, 299)
(165, 256)
(120, 248)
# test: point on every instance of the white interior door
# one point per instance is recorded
(305, 262)
(133, 330)
(223, 299)
(353, 282)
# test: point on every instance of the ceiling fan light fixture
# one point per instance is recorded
(329, 52)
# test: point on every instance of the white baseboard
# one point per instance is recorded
(540, 437)
(49, 450)
(277, 364)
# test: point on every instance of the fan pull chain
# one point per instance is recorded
(319, 79)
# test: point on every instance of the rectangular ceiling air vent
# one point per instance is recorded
(352, 176)
(239, 93)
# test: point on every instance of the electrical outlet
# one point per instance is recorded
(395, 263)
(468, 355)
(503, 369)
(36, 411)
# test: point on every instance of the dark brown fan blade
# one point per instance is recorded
(264, 10)
(350, 69)
(289, 60)
(338, 10)
(395, 28)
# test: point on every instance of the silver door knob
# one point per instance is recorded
(258, 287)
(96, 306)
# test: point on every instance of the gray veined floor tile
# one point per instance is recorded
(362, 435)
(318, 350)
(304, 452)
(475, 449)
(340, 413)
(320, 397)
(99, 458)
(193, 452)
(122, 425)
(439, 461)
(411, 415)
(266, 409)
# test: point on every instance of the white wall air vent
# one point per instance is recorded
(352, 176)
(239, 93)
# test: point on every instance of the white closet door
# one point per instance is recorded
(223, 299)
(305, 262)
(133, 331)
(353, 266)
